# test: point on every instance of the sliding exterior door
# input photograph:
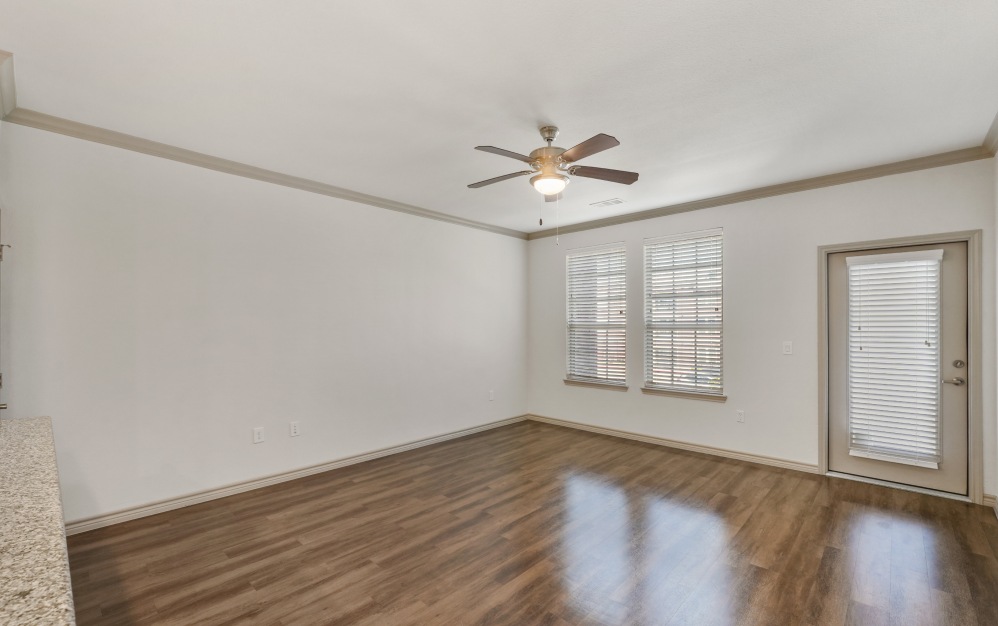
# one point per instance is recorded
(897, 371)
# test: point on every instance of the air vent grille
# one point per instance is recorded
(603, 203)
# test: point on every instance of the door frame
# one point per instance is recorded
(975, 420)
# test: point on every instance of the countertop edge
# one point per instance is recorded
(35, 586)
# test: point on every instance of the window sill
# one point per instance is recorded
(691, 395)
(587, 383)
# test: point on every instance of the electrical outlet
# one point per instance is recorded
(293, 429)
(788, 347)
(258, 434)
(492, 395)
(740, 416)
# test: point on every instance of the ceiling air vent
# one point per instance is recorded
(603, 203)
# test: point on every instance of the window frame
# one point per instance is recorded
(694, 391)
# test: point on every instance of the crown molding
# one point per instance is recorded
(62, 126)
(8, 98)
(10, 112)
(866, 173)
(991, 140)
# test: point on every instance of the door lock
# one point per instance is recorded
(959, 364)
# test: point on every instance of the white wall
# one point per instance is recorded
(770, 283)
(158, 311)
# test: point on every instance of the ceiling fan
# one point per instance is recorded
(550, 164)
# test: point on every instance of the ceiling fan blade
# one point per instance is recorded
(505, 153)
(552, 198)
(614, 176)
(499, 179)
(589, 147)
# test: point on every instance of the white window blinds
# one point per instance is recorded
(894, 356)
(683, 315)
(597, 315)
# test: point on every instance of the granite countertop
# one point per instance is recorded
(34, 566)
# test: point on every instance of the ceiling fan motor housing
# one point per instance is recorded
(547, 161)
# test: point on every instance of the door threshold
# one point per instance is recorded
(901, 486)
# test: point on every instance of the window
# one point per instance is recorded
(597, 315)
(683, 313)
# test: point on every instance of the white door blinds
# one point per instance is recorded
(894, 357)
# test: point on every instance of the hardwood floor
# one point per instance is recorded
(537, 524)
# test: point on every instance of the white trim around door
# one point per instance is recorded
(975, 483)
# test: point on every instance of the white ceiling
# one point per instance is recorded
(389, 98)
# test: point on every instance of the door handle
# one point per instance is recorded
(959, 382)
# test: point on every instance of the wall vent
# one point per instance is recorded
(603, 203)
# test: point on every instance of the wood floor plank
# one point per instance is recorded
(537, 524)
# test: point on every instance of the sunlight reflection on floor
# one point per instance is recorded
(628, 560)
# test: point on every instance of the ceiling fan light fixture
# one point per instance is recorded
(549, 184)
(548, 162)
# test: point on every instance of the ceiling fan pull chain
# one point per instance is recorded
(557, 220)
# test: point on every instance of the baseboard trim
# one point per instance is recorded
(117, 517)
(162, 506)
(991, 501)
(682, 445)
